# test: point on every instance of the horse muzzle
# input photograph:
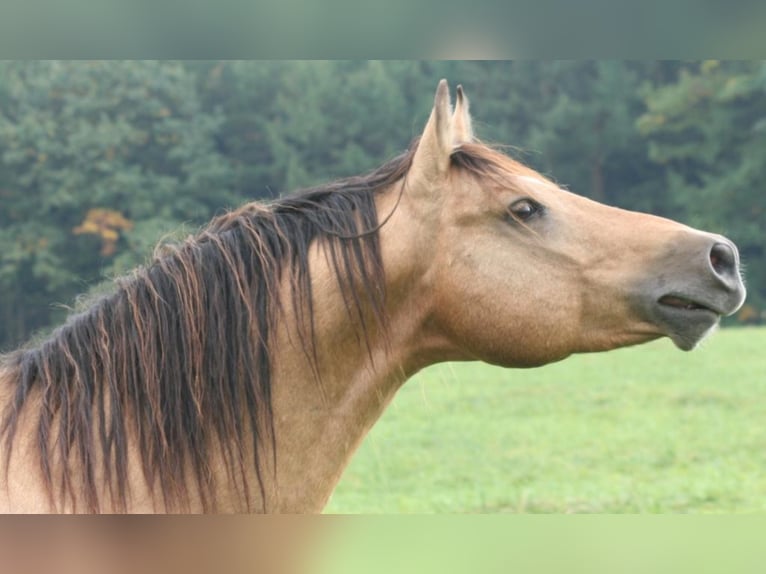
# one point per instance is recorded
(697, 287)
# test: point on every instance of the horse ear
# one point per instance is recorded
(432, 157)
(462, 130)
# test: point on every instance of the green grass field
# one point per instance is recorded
(648, 429)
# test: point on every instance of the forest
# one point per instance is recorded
(101, 160)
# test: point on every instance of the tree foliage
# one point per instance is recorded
(708, 129)
(98, 160)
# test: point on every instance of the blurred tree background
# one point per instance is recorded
(100, 160)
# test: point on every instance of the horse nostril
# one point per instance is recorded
(724, 260)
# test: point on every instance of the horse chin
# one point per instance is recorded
(688, 319)
(688, 330)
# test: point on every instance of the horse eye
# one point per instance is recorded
(525, 209)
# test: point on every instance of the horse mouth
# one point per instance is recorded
(679, 303)
(686, 321)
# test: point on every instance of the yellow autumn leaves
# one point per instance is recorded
(107, 224)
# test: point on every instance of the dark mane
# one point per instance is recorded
(180, 356)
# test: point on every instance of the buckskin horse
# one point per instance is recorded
(241, 368)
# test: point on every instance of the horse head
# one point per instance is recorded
(522, 272)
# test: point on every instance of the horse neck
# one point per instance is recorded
(322, 409)
(320, 421)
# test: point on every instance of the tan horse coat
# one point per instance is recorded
(506, 268)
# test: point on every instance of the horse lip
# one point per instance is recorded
(685, 319)
(687, 304)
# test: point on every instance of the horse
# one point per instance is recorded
(240, 368)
